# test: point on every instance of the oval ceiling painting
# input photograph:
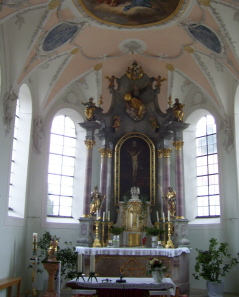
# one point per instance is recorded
(134, 13)
(207, 37)
(58, 36)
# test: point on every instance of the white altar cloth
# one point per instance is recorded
(132, 251)
(131, 283)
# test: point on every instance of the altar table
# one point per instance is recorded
(133, 262)
(134, 287)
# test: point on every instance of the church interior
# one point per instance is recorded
(119, 116)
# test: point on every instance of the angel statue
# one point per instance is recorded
(90, 108)
(96, 201)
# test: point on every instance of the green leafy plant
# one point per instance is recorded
(117, 230)
(215, 262)
(153, 231)
(67, 255)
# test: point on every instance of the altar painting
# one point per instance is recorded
(131, 13)
(134, 167)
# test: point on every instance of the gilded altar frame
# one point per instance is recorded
(123, 167)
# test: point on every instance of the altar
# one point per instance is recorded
(132, 262)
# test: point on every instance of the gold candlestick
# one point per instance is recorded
(169, 242)
(96, 241)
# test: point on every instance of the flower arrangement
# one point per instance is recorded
(155, 264)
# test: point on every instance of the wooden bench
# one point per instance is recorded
(8, 282)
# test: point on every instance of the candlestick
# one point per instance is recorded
(92, 263)
(157, 213)
(79, 262)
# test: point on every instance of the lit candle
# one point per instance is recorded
(34, 241)
(163, 218)
(79, 262)
(92, 263)
(168, 215)
(103, 216)
(108, 215)
(157, 216)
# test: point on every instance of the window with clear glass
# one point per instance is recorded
(14, 151)
(207, 168)
(61, 167)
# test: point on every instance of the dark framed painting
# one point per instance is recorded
(134, 13)
(134, 167)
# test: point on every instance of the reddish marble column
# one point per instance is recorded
(159, 202)
(166, 174)
(109, 180)
(103, 176)
(180, 203)
(88, 176)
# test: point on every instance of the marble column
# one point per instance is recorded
(159, 202)
(103, 177)
(166, 174)
(109, 180)
(180, 205)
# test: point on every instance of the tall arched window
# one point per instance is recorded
(61, 167)
(207, 168)
(20, 156)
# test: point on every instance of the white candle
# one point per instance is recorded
(34, 241)
(92, 263)
(157, 216)
(168, 215)
(97, 214)
(108, 215)
(103, 216)
(79, 262)
(163, 218)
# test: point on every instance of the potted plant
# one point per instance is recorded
(116, 231)
(213, 264)
(154, 232)
(67, 256)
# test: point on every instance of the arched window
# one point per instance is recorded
(61, 167)
(20, 156)
(207, 168)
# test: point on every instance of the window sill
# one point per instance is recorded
(205, 223)
(14, 219)
(55, 222)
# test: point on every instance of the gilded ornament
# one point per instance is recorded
(167, 152)
(170, 102)
(103, 152)
(134, 72)
(170, 67)
(189, 49)
(89, 143)
(75, 51)
(204, 2)
(54, 4)
(110, 153)
(160, 153)
(98, 67)
(178, 145)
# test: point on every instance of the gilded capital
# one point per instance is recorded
(178, 145)
(160, 153)
(167, 152)
(109, 151)
(89, 144)
(103, 152)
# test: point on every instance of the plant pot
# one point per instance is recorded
(154, 241)
(215, 289)
(157, 276)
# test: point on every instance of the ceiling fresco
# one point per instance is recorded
(64, 47)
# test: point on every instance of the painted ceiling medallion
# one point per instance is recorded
(206, 36)
(58, 36)
(134, 13)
